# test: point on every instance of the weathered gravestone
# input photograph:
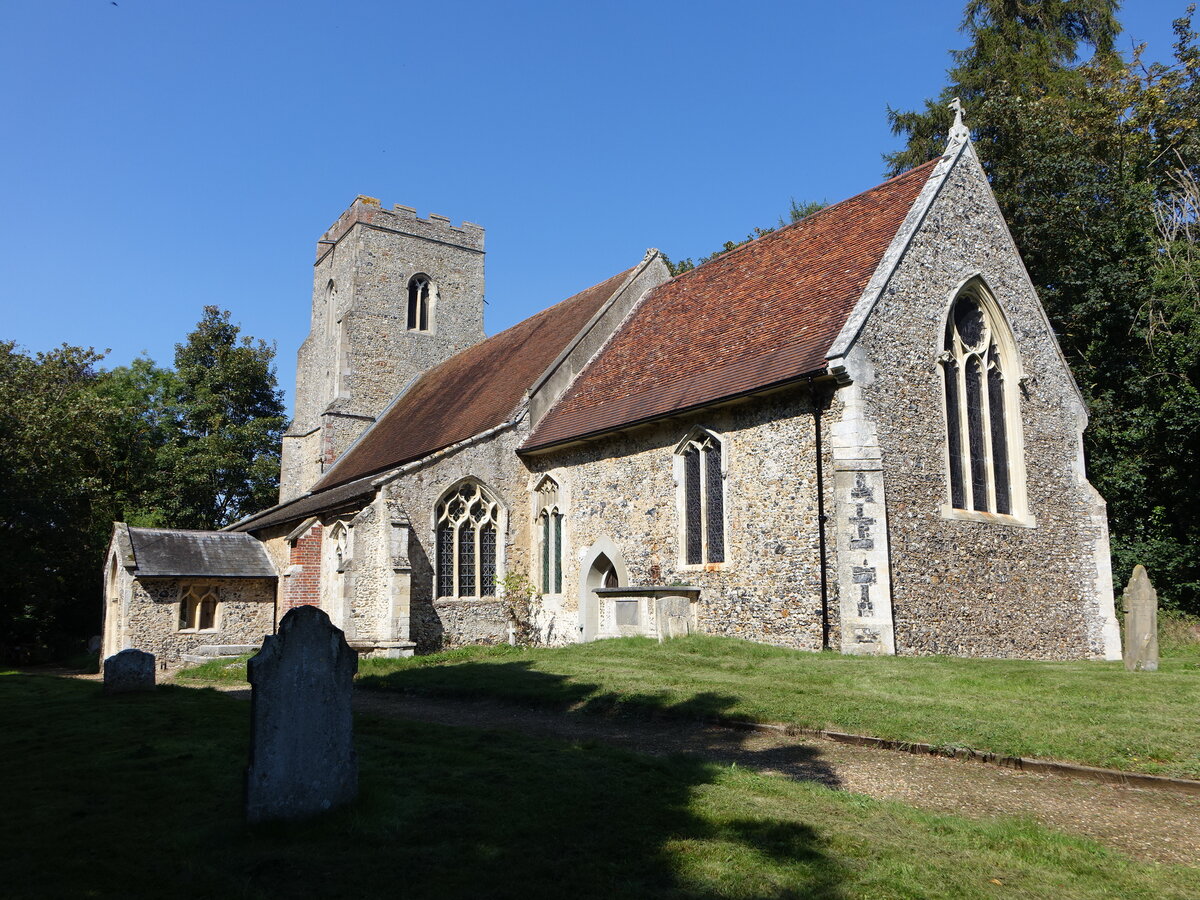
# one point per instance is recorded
(1141, 623)
(129, 670)
(302, 758)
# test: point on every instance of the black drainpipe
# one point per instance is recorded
(821, 517)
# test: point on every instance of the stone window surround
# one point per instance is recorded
(431, 303)
(697, 435)
(976, 286)
(549, 500)
(499, 520)
(200, 588)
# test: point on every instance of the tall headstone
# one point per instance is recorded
(128, 671)
(1141, 623)
(302, 758)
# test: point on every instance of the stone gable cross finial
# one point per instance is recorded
(958, 131)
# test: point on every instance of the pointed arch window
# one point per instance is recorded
(980, 370)
(550, 536)
(467, 519)
(198, 609)
(703, 498)
(421, 296)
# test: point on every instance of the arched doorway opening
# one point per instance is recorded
(604, 567)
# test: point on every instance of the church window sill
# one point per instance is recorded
(986, 518)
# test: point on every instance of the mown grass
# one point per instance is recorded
(1093, 713)
(139, 795)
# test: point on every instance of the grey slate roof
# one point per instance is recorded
(306, 505)
(171, 551)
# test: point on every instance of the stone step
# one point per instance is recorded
(217, 650)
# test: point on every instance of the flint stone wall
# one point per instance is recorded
(244, 611)
(359, 335)
(492, 462)
(980, 588)
(623, 488)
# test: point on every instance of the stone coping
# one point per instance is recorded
(690, 591)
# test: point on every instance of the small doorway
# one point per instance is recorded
(607, 570)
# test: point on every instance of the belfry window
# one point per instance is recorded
(198, 609)
(550, 531)
(979, 371)
(703, 480)
(466, 526)
(420, 302)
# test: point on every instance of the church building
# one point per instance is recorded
(856, 432)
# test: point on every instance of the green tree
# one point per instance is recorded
(1082, 147)
(226, 419)
(796, 212)
(55, 506)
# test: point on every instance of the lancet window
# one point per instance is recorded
(550, 536)
(420, 302)
(467, 522)
(703, 499)
(198, 609)
(979, 371)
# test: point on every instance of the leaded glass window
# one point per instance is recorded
(550, 534)
(979, 404)
(467, 522)
(703, 500)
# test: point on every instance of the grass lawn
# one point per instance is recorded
(139, 795)
(1094, 713)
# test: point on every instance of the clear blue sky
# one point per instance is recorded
(160, 155)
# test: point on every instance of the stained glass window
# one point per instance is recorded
(979, 435)
(954, 435)
(975, 434)
(714, 496)
(550, 534)
(545, 517)
(703, 501)
(466, 543)
(445, 555)
(466, 560)
(999, 434)
(558, 553)
(691, 505)
(487, 561)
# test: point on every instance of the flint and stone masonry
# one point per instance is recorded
(837, 524)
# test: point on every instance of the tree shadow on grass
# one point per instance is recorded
(658, 722)
(142, 794)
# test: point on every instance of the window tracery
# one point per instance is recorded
(467, 520)
(979, 368)
(703, 499)
(420, 302)
(550, 531)
(198, 609)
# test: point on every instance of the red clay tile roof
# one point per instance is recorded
(472, 391)
(759, 315)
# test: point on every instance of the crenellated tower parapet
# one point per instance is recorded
(394, 294)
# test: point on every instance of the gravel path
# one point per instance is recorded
(1146, 824)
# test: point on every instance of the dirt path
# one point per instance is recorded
(1146, 824)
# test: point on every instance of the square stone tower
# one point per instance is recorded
(393, 295)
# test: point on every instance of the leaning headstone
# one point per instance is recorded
(1141, 623)
(302, 758)
(127, 671)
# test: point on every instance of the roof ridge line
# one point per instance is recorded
(726, 254)
(632, 275)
